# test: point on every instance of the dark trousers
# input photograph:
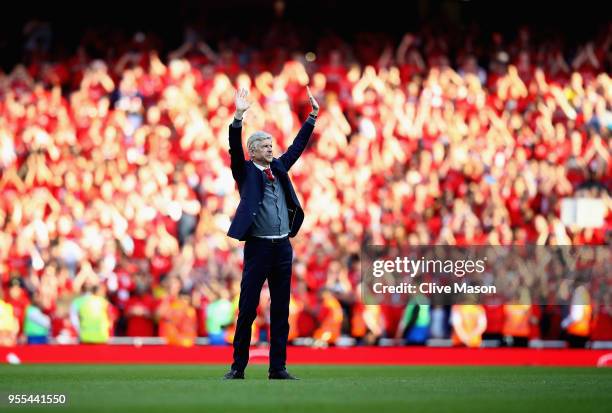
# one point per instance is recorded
(272, 260)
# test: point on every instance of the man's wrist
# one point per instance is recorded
(313, 114)
(237, 123)
(238, 115)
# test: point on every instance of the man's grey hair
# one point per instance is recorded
(255, 139)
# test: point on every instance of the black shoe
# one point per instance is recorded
(281, 375)
(234, 375)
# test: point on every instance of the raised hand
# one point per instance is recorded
(242, 104)
(313, 102)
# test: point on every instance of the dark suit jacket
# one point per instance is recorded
(251, 182)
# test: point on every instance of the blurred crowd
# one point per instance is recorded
(116, 192)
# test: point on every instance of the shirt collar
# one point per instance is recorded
(261, 168)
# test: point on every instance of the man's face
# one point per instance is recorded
(263, 152)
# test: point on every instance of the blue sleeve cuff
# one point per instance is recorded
(311, 120)
(237, 123)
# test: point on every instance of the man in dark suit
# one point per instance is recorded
(268, 214)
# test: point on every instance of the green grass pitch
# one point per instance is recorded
(323, 388)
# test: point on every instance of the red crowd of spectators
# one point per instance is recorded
(116, 172)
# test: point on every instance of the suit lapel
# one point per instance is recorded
(260, 174)
(276, 168)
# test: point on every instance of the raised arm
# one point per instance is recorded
(235, 136)
(301, 140)
(400, 54)
(313, 103)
